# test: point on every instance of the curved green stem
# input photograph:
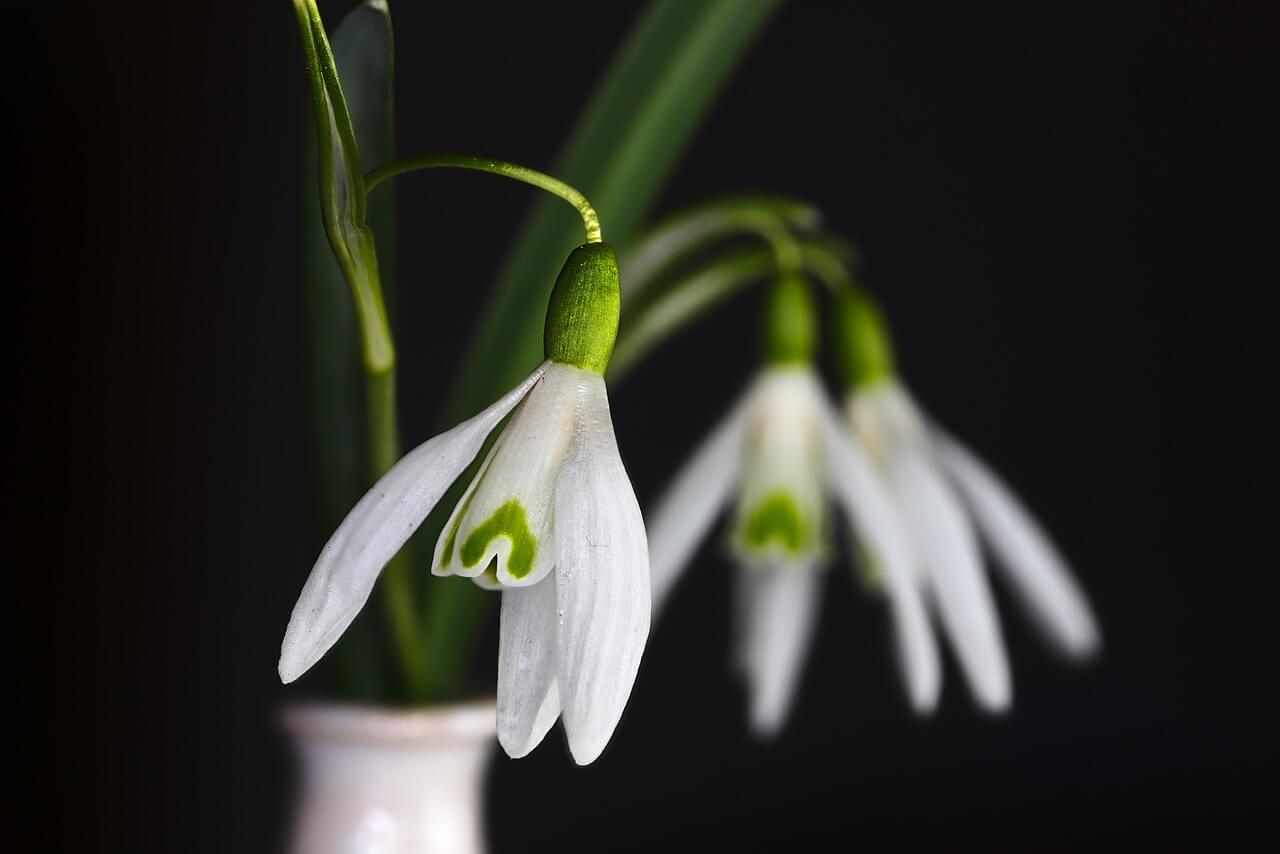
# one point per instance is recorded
(690, 297)
(690, 231)
(541, 180)
(830, 264)
(782, 243)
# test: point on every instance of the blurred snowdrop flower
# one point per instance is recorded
(941, 490)
(550, 519)
(783, 451)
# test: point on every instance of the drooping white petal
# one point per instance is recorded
(527, 667)
(602, 578)
(881, 531)
(506, 517)
(952, 563)
(780, 519)
(692, 502)
(781, 608)
(376, 528)
(1024, 551)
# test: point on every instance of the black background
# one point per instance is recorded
(1034, 190)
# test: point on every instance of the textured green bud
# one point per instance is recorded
(582, 316)
(862, 340)
(789, 326)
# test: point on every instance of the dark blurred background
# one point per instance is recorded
(1033, 188)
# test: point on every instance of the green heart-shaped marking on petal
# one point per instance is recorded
(508, 521)
(777, 519)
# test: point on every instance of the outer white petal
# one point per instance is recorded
(602, 579)
(1026, 554)
(883, 535)
(376, 528)
(952, 562)
(527, 667)
(781, 605)
(520, 471)
(692, 501)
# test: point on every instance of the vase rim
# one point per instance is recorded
(472, 721)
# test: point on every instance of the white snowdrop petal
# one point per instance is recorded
(376, 528)
(527, 667)
(952, 562)
(781, 608)
(602, 579)
(1029, 560)
(506, 518)
(883, 535)
(692, 502)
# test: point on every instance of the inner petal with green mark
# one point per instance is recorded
(776, 520)
(780, 513)
(503, 525)
(508, 521)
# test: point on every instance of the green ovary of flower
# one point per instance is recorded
(777, 519)
(508, 521)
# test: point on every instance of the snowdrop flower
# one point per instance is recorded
(781, 452)
(934, 480)
(550, 519)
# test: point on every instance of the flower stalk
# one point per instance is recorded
(646, 325)
(541, 180)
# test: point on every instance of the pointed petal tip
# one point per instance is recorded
(1085, 644)
(586, 748)
(923, 700)
(995, 699)
(293, 662)
(766, 724)
(515, 748)
(290, 668)
(923, 711)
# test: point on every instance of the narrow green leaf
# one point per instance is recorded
(337, 432)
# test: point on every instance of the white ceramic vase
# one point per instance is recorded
(390, 781)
